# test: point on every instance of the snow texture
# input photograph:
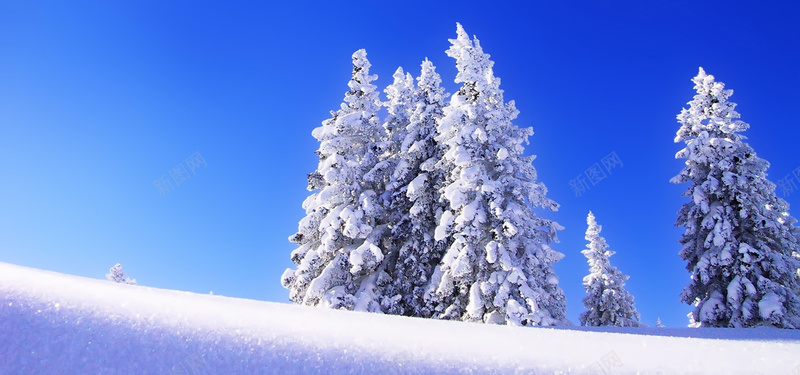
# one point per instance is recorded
(740, 243)
(58, 324)
(607, 302)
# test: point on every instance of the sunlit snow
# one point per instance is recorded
(52, 323)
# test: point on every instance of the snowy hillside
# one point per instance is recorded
(52, 323)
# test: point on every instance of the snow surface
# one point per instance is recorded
(52, 323)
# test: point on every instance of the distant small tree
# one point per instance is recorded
(658, 323)
(607, 302)
(117, 275)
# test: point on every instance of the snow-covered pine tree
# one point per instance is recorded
(607, 302)
(400, 95)
(740, 242)
(339, 258)
(117, 275)
(498, 268)
(415, 200)
(658, 323)
(393, 170)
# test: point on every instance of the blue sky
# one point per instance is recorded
(99, 100)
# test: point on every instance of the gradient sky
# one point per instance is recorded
(98, 100)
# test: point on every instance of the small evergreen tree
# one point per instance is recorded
(740, 243)
(117, 275)
(607, 302)
(339, 258)
(658, 323)
(498, 266)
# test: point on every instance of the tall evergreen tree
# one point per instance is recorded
(498, 267)
(415, 201)
(740, 243)
(393, 170)
(339, 258)
(607, 302)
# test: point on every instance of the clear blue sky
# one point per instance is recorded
(99, 100)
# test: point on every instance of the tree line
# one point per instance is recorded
(428, 211)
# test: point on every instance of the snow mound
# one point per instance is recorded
(52, 323)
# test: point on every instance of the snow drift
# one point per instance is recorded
(59, 324)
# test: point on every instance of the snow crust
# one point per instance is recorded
(53, 323)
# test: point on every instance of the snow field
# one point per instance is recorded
(53, 323)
